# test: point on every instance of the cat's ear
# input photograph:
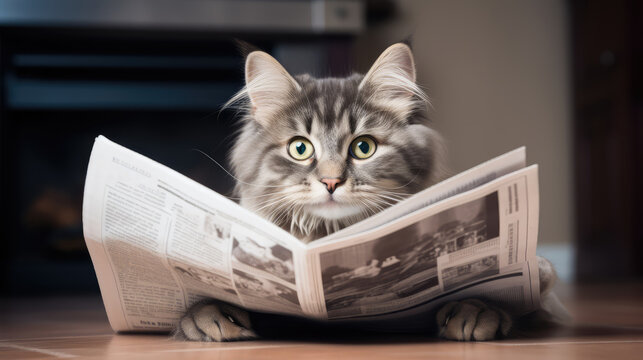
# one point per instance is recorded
(391, 80)
(268, 84)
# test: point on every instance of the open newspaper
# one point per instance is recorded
(160, 241)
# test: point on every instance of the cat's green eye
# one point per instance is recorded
(363, 147)
(300, 148)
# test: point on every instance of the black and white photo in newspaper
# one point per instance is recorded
(452, 244)
(264, 273)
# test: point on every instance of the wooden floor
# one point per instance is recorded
(608, 325)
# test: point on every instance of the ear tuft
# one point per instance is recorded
(268, 85)
(391, 80)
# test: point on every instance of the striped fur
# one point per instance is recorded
(386, 104)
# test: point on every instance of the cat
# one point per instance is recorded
(316, 155)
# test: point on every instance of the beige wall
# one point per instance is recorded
(498, 73)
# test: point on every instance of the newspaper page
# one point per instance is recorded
(480, 242)
(160, 242)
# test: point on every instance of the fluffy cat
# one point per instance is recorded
(317, 155)
(328, 186)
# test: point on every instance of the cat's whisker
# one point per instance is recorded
(277, 208)
(373, 202)
(417, 173)
(380, 196)
(374, 190)
(259, 205)
(273, 197)
(365, 207)
(282, 209)
(271, 202)
(392, 196)
(383, 202)
(395, 200)
(402, 194)
(232, 176)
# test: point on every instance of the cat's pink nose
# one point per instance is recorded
(332, 183)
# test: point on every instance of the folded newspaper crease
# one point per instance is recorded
(160, 241)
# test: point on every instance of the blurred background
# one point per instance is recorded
(563, 78)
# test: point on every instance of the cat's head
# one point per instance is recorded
(316, 155)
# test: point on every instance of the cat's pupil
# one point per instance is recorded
(363, 145)
(301, 148)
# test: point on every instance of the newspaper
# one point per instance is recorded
(160, 242)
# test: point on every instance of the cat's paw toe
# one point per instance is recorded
(214, 322)
(472, 320)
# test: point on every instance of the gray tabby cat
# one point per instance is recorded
(317, 155)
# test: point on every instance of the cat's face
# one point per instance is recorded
(316, 155)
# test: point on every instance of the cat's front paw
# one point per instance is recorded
(472, 320)
(214, 321)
